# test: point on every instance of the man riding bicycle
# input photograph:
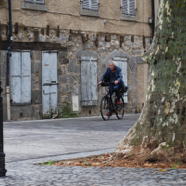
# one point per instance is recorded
(114, 74)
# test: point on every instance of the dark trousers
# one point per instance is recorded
(115, 88)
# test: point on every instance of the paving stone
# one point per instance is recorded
(25, 172)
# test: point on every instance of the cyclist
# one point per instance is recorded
(114, 74)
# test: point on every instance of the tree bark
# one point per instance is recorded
(161, 128)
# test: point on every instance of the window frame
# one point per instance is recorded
(90, 6)
(89, 12)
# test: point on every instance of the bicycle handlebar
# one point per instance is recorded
(104, 84)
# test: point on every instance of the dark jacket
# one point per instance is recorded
(106, 77)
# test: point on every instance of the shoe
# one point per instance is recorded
(118, 102)
(108, 114)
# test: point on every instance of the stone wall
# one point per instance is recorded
(58, 25)
(86, 44)
(67, 15)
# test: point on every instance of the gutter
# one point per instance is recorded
(153, 18)
(8, 61)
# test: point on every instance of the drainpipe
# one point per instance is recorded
(8, 61)
(153, 18)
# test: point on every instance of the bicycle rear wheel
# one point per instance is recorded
(120, 109)
(104, 108)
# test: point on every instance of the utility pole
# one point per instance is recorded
(2, 155)
(8, 61)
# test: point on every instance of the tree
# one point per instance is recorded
(160, 132)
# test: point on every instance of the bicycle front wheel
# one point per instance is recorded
(104, 108)
(120, 109)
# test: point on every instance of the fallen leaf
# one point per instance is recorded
(77, 164)
(107, 154)
(95, 164)
(162, 170)
(147, 165)
(68, 163)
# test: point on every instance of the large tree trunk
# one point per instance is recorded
(161, 128)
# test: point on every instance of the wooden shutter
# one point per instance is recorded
(29, 1)
(36, 1)
(39, 1)
(124, 8)
(20, 71)
(49, 83)
(132, 7)
(89, 81)
(26, 77)
(86, 4)
(15, 73)
(122, 63)
(94, 5)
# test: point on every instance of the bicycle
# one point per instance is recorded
(108, 104)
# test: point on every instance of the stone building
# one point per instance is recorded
(61, 49)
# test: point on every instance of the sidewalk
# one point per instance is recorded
(31, 142)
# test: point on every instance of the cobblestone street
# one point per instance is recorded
(31, 142)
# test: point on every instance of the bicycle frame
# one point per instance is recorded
(110, 100)
(109, 105)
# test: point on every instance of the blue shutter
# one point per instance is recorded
(94, 5)
(39, 1)
(124, 7)
(122, 63)
(15, 73)
(132, 7)
(89, 94)
(86, 4)
(20, 71)
(26, 77)
(29, 1)
(49, 83)
(36, 1)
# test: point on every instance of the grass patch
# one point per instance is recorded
(47, 163)
(66, 112)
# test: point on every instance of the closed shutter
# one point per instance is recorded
(122, 63)
(128, 7)
(36, 1)
(132, 7)
(39, 1)
(49, 83)
(26, 77)
(20, 71)
(29, 1)
(124, 7)
(89, 81)
(15, 73)
(94, 5)
(86, 4)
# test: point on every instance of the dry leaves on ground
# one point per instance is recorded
(109, 160)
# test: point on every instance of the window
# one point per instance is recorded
(90, 4)
(20, 71)
(35, 1)
(89, 94)
(128, 7)
(35, 5)
(122, 63)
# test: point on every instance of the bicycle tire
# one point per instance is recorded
(104, 108)
(120, 109)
